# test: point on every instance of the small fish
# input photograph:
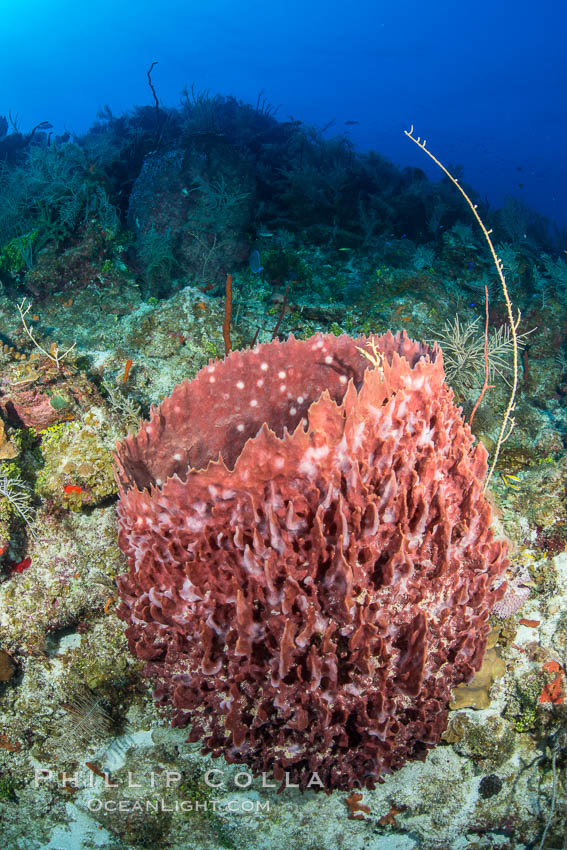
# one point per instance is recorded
(507, 478)
(254, 262)
(22, 565)
(350, 123)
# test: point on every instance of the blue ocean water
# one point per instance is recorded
(484, 82)
(183, 186)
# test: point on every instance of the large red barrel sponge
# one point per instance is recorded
(311, 561)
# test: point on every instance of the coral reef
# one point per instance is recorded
(308, 600)
(347, 243)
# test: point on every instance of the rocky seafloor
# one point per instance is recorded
(87, 760)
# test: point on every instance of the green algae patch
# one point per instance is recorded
(59, 402)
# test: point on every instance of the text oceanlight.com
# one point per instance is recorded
(162, 805)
